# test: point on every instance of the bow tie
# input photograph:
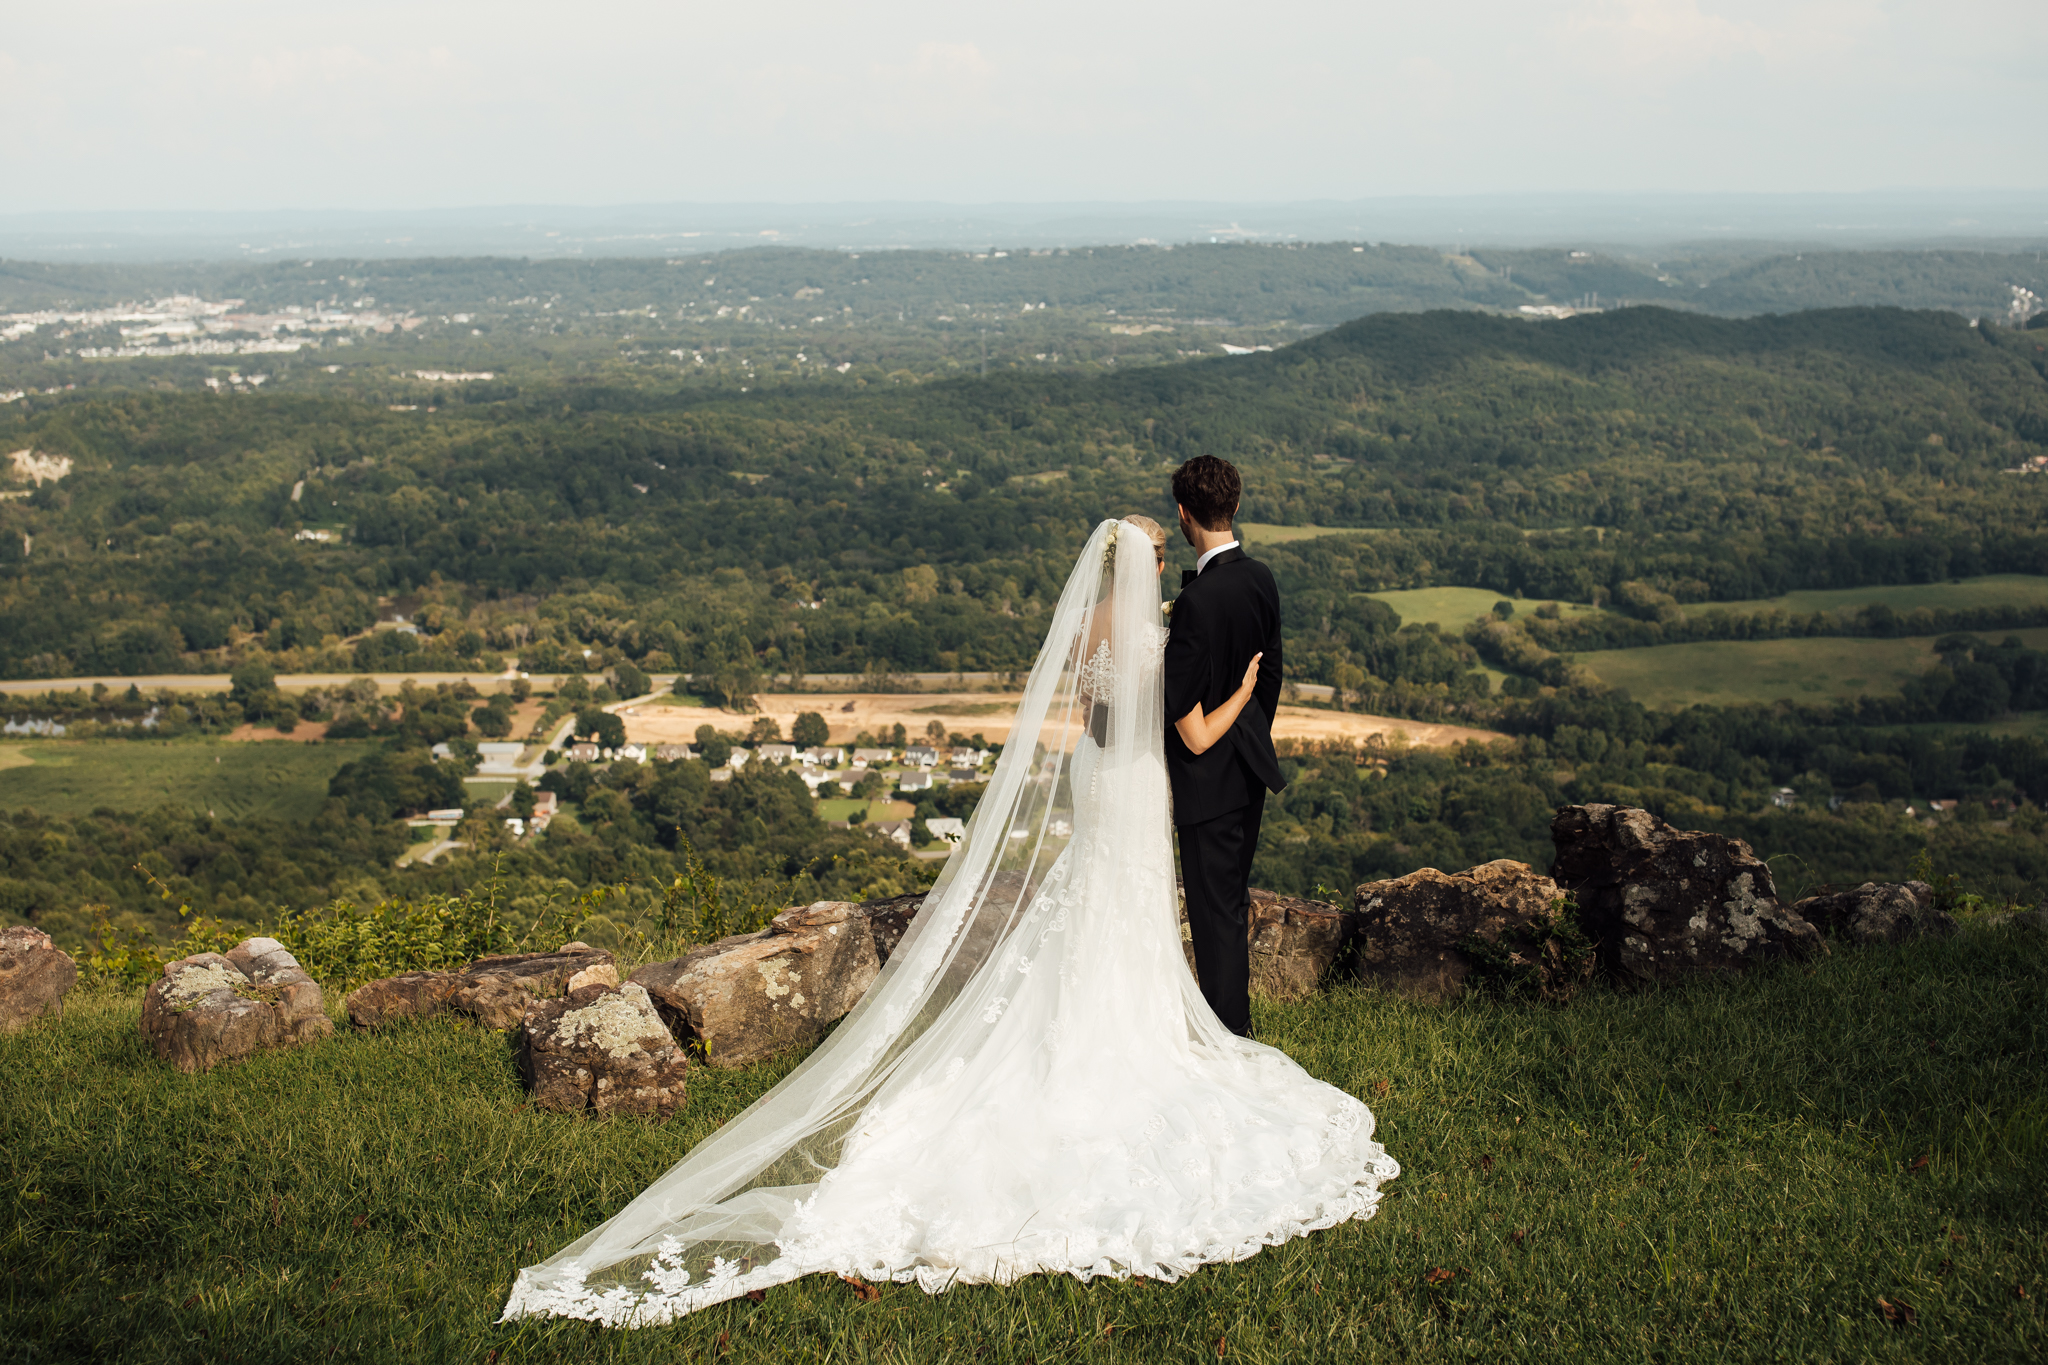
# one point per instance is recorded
(1188, 576)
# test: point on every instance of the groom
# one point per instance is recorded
(1228, 610)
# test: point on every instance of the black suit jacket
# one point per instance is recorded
(1226, 615)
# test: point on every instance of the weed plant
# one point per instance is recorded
(1846, 1162)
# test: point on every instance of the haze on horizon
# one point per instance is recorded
(235, 105)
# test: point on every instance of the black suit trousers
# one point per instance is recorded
(1216, 877)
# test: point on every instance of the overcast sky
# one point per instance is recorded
(240, 104)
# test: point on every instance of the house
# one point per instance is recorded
(775, 753)
(499, 756)
(946, 828)
(516, 825)
(824, 757)
(962, 774)
(583, 751)
(813, 777)
(1784, 798)
(872, 758)
(452, 815)
(544, 803)
(721, 774)
(914, 782)
(966, 758)
(738, 758)
(633, 753)
(673, 753)
(897, 831)
(921, 755)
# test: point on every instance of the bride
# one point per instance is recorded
(1034, 1083)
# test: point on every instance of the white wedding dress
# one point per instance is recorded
(1034, 1083)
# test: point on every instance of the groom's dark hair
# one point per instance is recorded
(1209, 488)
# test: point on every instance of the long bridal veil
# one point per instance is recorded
(1034, 1081)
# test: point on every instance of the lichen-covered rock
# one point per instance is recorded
(35, 976)
(1424, 934)
(213, 1007)
(888, 920)
(409, 995)
(602, 1048)
(1877, 912)
(496, 990)
(1662, 902)
(1294, 944)
(752, 995)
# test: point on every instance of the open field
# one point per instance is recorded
(984, 713)
(1257, 533)
(1455, 608)
(1734, 672)
(1992, 590)
(280, 779)
(1728, 1171)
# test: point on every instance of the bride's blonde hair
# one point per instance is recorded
(1153, 532)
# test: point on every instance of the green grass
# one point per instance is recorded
(1257, 533)
(277, 778)
(843, 807)
(1992, 590)
(1717, 1172)
(1734, 672)
(1455, 608)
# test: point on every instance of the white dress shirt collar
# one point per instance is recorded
(1208, 555)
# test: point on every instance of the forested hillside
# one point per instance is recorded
(926, 526)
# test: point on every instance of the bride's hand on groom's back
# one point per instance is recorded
(1251, 674)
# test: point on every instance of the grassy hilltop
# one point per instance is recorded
(1733, 1170)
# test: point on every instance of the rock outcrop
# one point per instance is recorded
(605, 1049)
(888, 920)
(1877, 912)
(1425, 934)
(495, 990)
(35, 976)
(752, 995)
(211, 1008)
(1294, 944)
(1663, 902)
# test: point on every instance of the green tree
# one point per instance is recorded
(600, 726)
(809, 730)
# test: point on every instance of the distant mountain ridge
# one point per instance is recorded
(1313, 285)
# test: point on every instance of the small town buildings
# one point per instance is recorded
(914, 782)
(897, 831)
(673, 753)
(583, 751)
(872, 758)
(824, 757)
(966, 758)
(452, 815)
(721, 774)
(775, 753)
(633, 753)
(921, 755)
(962, 774)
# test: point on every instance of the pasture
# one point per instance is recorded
(283, 779)
(1763, 1168)
(1962, 594)
(1455, 608)
(1736, 672)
